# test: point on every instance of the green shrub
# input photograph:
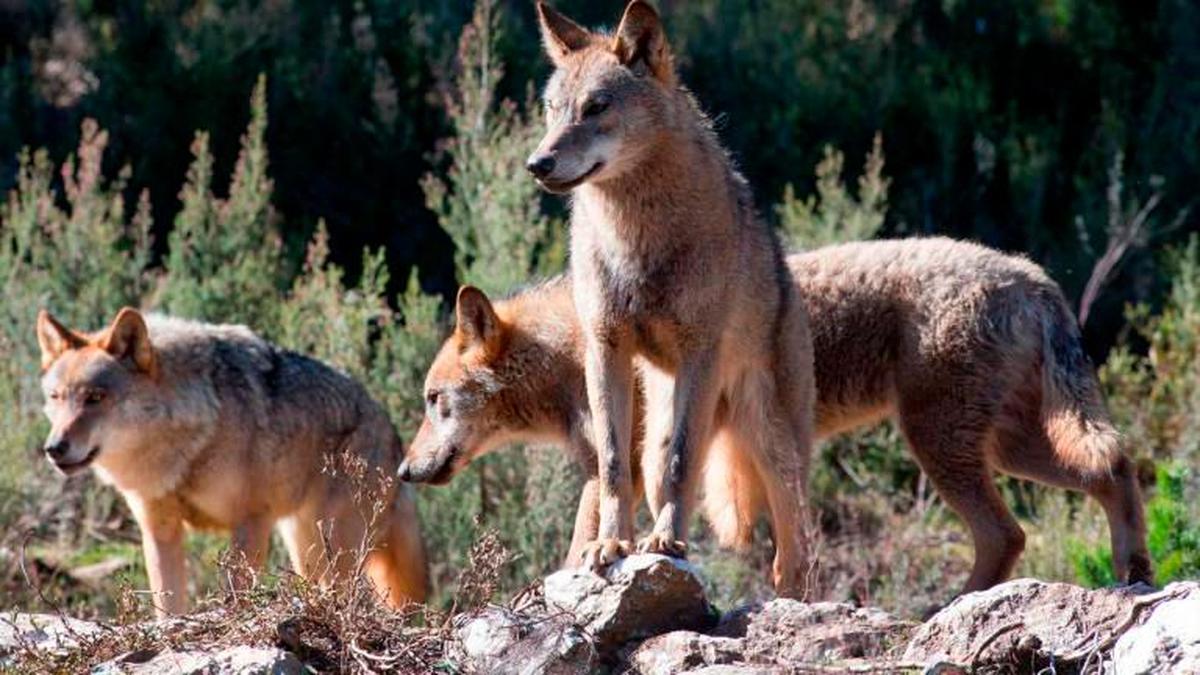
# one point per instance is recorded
(833, 215)
(1172, 533)
(225, 262)
(487, 203)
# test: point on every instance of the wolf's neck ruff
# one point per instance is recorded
(677, 195)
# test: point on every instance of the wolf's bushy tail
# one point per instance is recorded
(397, 566)
(733, 494)
(1073, 412)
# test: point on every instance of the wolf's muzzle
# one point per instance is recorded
(56, 451)
(540, 167)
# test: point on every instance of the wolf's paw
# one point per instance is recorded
(599, 554)
(663, 545)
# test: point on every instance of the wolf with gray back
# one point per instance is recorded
(212, 427)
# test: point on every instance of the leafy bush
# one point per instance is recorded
(487, 203)
(1172, 534)
(225, 262)
(1156, 397)
(833, 215)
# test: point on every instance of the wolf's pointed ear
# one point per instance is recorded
(477, 320)
(54, 338)
(641, 44)
(560, 35)
(127, 337)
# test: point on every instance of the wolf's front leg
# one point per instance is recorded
(248, 546)
(162, 544)
(587, 521)
(693, 405)
(609, 372)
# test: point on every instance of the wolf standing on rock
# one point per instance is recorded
(975, 354)
(671, 266)
(213, 427)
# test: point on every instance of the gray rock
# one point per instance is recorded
(776, 635)
(42, 632)
(683, 651)
(229, 661)
(497, 640)
(1168, 640)
(788, 631)
(1022, 621)
(638, 597)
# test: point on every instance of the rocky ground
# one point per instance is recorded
(649, 615)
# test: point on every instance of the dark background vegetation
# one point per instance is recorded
(1066, 130)
(1000, 119)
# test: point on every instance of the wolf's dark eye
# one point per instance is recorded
(93, 397)
(595, 106)
(431, 398)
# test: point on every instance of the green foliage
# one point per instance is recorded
(1155, 397)
(834, 215)
(225, 262)
(1172, 533)
(487, 203)
(79, 254)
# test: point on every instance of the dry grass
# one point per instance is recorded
(337, 627)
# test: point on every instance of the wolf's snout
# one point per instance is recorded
(404, 473)
(56, 450)
(540, 167)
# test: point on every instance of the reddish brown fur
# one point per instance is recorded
(213, 428)
(673, 272)
(958, 342)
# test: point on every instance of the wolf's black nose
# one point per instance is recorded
(403, 473)
(57, 450)
(541, 166)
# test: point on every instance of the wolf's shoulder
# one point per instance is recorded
(177, 335)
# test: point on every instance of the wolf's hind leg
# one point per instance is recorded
(794, 385)
(759, 432)
(949, 439)
(1024, 450)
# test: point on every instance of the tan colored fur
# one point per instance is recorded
(958, 342)
(211, 427)
(672, 273)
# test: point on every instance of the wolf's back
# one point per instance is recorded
(277, 391)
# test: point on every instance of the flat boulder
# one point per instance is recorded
(499, 640)
(775, 636)
(1168, 640)
(1026, 622)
